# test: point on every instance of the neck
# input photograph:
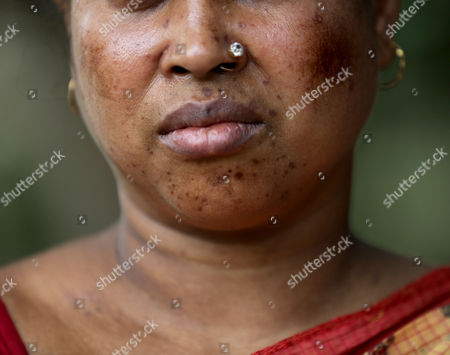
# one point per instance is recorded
(201, 268)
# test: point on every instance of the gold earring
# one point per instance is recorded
(401, 71)
(71, 96)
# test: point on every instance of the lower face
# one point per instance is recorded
(294, 47)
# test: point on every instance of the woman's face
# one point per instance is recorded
(134, 68)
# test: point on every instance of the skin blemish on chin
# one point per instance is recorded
(239, 175)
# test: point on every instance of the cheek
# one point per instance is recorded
(113, 74)
(117, 67)
(322, 44)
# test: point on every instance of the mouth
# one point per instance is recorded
(218, 127)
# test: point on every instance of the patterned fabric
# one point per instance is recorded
(410, 321)
(428, 334)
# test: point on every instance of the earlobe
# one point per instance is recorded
(386, 13)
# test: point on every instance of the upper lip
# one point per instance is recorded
(203, 114)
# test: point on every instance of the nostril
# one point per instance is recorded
(225, 67)
(179, 70)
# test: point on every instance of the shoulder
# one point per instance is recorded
(47, 292)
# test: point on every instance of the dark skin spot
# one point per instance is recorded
(200, 209)
(291, 165)
(284, 195)
(272, 113)
(318, 19)
(230, 170)
(333, 51)
(239, 175)
(255, 161)
(166, 24)
(266, 82)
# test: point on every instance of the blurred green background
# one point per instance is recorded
(406, 125)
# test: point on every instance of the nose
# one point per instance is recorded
(199, 44)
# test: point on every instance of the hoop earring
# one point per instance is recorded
(401, 71)
(71, 96)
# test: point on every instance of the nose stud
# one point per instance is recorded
(236, 50)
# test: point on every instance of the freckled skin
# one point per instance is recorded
(316, 52)
(201, 217)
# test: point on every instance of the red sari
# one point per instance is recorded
(10, 342)
(414, 320)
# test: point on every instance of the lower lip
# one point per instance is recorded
(220, 138)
